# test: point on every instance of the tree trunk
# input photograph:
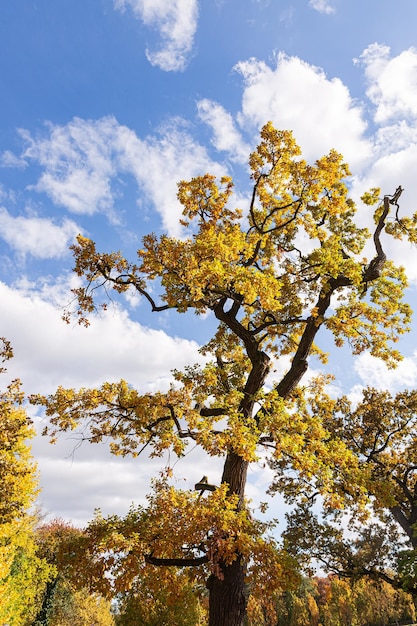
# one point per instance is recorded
(42, 617)
(227, 595)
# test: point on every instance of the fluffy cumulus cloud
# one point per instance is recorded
(49, 352)
(39, 237)
(375, 373)
(76, 479)
(176, 22)
(298, 96)
(322, 6)
(392, 82)
(84, 160)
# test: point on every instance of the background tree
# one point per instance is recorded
(380, 431)
(71, 606)
(367, 602)
(339, 602)
(297, 607)
(273, 279)
(66, 599)
(23, 574)
(162, 597)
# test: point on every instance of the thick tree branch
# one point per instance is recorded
(299, 363)
(229, 318)
(213, 412)
(374, 268)
(178, 562)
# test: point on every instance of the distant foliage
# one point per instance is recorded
(336, 602)
(23, 573)
(66, 600)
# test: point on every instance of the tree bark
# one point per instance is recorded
(405, 524)
(227, 594)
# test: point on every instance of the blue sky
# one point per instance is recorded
(105, 105)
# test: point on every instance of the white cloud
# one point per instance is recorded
(392, 82)
(375, 373)
(297, 96)
(77, 162)
(9, 159)
(226, 136)
(322, 6)
(75, 482)
(39, 237)
(49, 352)
(176, 21)
(160, 162)
(395, 137)
(77, 479)
(392, 91)
(84, 160)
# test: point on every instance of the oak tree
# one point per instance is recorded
(380, 431)
(273, 277)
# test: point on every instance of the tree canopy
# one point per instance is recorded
(23, 573)
(274, 278)
(380, 431)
